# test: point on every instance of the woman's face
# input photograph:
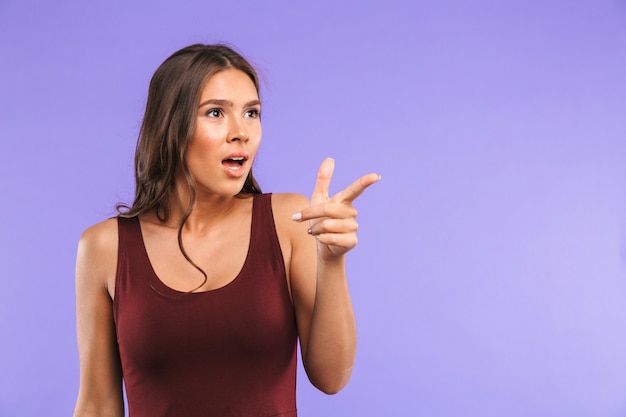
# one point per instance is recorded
(227, 133)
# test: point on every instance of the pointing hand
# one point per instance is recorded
(333, 219)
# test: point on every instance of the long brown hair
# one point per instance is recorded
(168, 126)
(169, 123)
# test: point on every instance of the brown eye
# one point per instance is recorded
(252, 113)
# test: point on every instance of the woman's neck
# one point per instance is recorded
(207, 210)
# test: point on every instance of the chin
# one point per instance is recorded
(234, 190)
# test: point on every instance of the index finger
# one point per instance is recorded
(352, 191)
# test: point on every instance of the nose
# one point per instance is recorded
(238, 132)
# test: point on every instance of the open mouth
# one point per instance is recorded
(235, 162)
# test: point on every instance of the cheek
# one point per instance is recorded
(257, 139)
(199, 150)
(256, 132)
(207, 131)
(206, 139)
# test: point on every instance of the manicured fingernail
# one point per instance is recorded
(309, 231)
(296, 217)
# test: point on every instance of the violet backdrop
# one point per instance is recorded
(490, 275)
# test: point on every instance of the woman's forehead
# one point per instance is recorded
(229, 83)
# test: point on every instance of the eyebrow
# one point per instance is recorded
(228, 103)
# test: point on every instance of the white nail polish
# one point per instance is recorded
(296, 217)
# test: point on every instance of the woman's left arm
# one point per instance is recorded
(319, 285)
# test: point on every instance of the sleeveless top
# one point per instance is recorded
(225, 352)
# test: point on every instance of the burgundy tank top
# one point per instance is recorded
(226, 352)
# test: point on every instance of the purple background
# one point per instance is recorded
(490, 275)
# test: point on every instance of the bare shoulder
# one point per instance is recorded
(96, 258)
(100, 237)
(284, 205)
(289, 203)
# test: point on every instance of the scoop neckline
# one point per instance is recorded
(154, 278)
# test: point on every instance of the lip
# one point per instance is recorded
(238, 154)
(235, 170)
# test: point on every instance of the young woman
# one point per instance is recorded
(197, 294)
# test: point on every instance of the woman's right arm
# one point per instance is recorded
(100, 391)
